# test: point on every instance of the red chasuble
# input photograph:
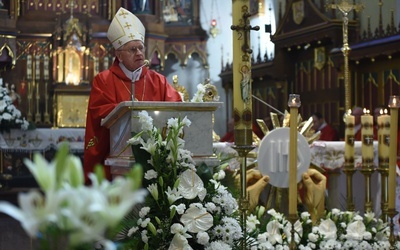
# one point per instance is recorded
(109, 88)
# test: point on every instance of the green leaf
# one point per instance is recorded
(136, 175)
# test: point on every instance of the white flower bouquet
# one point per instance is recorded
(10, 116)
(187, 208)
(337, 230)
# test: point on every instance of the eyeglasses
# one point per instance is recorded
(134, 50)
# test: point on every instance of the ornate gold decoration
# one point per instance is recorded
(298, 11)
(180, 88)
(319, 58)
(211, 93)
(93, 141)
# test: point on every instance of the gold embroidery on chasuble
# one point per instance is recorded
(92, 142)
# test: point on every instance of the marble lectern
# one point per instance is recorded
(123, 120)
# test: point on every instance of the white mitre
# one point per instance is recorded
(125, 27)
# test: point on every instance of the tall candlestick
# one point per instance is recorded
(383, 137)
(349, 139)
(394, 104)
(29, 67)
(37, 67)
(367, 137)
(294, 104)
(46, 68)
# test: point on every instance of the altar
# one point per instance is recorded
(330, 157)
(17, 145)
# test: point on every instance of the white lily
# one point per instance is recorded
(43, 172)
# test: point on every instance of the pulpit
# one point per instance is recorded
(123, 122)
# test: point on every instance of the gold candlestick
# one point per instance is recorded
(294, 104)
(349, 159)
(383, 154)
(394, 104)
(242, 94)
(29, 82)
(37, 99)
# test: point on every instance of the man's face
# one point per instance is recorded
(131, 54)
(316, 122)
(357, 115)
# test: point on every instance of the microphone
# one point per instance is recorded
(145, 64)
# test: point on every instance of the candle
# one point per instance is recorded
(241, 69)
(29, 67)
(46, 68)
(383, 137)
(394, 104)
(367, 137)
(349, 138)
(294, 104)
(37, 67)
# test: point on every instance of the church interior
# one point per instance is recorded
(335, 54)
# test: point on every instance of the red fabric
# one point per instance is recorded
(329, 134)
(108, 91)
(228, 137)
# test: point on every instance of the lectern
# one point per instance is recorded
(123, 120)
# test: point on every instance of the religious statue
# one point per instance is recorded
(15, 97)
(245, 83)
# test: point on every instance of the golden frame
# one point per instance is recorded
(71, 106)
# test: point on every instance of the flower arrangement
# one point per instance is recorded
(188, 207)
(10, 116)
(337, 230)
(69, 215)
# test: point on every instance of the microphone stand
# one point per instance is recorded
(146, 63)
